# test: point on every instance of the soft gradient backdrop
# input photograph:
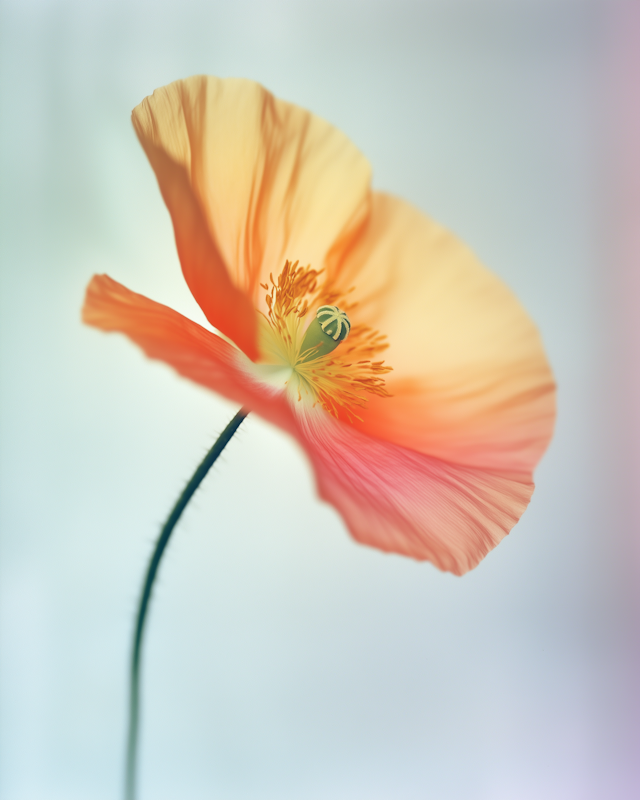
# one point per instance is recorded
(284, 662)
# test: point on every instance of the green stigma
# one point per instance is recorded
(329, 327)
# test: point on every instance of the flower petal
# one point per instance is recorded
(391, 497)
(249, 181)
(470, 381)
(193, 351)
(401, 501)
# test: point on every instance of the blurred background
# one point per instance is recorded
(283, 661)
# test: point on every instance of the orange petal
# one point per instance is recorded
(250, 181)
(390, 497)
(470, 381)
(401, 501)
(193, 351)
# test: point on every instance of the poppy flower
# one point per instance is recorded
(425, 414)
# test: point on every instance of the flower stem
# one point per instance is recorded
(165, 534)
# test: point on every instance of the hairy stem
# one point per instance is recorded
(165, 534)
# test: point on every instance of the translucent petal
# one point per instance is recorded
(470, 383)
(249, 181)
(402, 501)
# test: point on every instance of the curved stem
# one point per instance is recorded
(165, 534)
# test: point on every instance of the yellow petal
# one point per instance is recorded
(249, 181)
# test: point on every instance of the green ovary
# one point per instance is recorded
(329, 327)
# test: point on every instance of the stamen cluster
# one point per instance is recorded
(338, 380)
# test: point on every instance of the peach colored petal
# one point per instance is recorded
(401, 501)
(391, 497)
(193, 351)
(249, 181)
(470, 381)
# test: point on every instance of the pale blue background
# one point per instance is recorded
(285, 662)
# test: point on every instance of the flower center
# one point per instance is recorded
(322, 367)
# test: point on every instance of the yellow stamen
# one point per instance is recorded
(339, 380)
